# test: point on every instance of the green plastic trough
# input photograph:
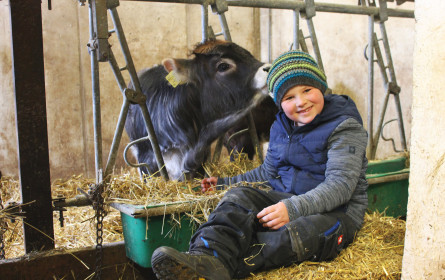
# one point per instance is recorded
(147, 228)
(388, 186)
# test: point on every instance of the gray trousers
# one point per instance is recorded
(235, 236)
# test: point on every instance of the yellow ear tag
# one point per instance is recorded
(173, 79)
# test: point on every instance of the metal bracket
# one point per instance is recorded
(135, 97)
(383, 11)
(393, 88)
(100, 27)
(309, 10)
(59, 199)
(219, 6)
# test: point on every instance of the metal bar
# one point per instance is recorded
(225, 27)
(204, 21)
(117, 138)
(296, 44)
(302, 41)
(269, 35)
(314, 41)
(292, 5)
(31, 123)
(125, 50)
(154, 142)
(371, 154)
(96, 105)
(393, 79)
(100, 23)
(380, 62)
(135, 81)
(389, 178)
(319, 7)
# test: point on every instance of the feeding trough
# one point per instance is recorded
(388, 186)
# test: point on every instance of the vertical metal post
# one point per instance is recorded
(100, 24)
(371, 154)
(269, 37)
(96, 104)
(204, 21)
(31, 123)
(296, 44)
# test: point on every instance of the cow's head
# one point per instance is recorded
(226, 75)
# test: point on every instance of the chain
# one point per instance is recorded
(3, 228)
(98, 205)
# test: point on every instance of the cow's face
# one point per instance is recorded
(227, 75)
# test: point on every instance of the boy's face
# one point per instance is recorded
(302, 104)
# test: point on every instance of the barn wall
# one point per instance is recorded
(342, 39)
(153, 34)
(425, 239)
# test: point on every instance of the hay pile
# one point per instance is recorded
(375, 254)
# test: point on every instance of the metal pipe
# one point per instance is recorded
(389, 178)
(96, 106)
(154, 141)
(204, 21)
(77, 201)
(292, 5)
(269, 34)
(117, 138)
(319, 7)
(135, 81)
(371, 154)
(125, 50)
(296, 44)
(225, 27)
(310, 25)
(393, 81)
(378, 54)
(117, 73)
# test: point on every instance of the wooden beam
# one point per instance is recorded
(72, 264)
(31, 123)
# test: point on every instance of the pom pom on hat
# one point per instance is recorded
(291, 69)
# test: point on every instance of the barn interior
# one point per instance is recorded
(63, 107)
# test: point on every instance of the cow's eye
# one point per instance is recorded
(223, 67)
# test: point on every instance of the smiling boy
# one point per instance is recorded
(314, 197)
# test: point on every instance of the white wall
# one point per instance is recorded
(424, 256)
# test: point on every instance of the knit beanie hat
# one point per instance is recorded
(291, 69)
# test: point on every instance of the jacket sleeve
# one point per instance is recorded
(346, 149)
(260, 174)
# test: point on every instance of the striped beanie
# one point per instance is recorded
(294, 68)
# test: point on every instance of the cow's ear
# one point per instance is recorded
(169, 64)
(177, 71)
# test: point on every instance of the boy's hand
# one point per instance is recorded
(274, 216)
(208, 184)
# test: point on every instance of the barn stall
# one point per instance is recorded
(40, 162)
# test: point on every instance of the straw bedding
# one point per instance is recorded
(375, 254)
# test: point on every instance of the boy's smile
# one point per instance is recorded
(302, 104)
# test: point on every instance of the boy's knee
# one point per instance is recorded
(319, 237)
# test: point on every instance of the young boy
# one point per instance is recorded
(313, 198)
